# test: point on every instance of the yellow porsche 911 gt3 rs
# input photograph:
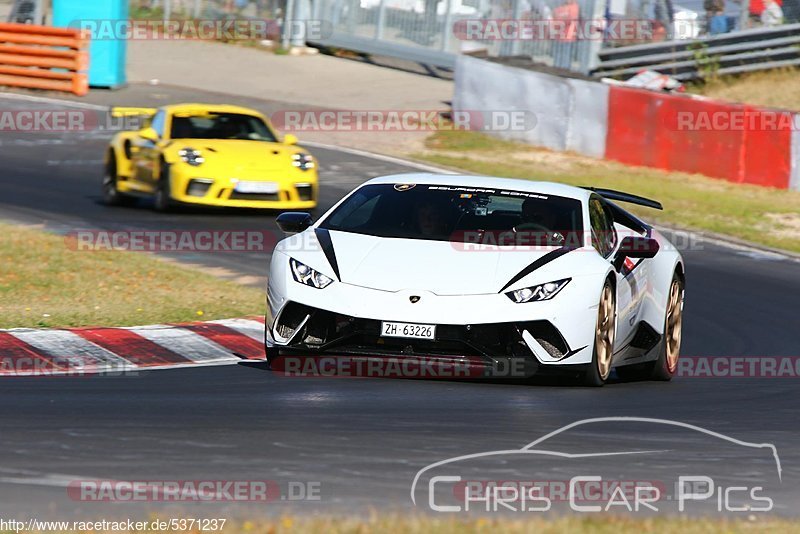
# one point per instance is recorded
(214, 155)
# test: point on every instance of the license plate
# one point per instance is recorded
(256, 187)
(410, 330)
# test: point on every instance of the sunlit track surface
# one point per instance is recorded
(362, 439)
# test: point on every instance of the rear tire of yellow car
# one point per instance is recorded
(163, 197)
(111, 195)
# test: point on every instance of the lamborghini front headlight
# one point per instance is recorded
(306, 275)
(537, 293)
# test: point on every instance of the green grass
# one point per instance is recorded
(44, 283)
(774, 88)
(760, 215)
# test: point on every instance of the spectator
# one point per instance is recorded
(758, 16)
(716, 20)
(772, 14)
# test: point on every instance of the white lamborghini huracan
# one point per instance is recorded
(560, 278)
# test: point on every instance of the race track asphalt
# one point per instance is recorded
(362, 440)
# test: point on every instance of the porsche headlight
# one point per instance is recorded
(306, 275)
(537, 293)
(303, 161)
(191, 156)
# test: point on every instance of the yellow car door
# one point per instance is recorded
(147, 157)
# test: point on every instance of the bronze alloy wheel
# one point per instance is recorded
(604, 333)
(672, 335)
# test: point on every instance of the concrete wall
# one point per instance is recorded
(570, 114)
(635, 126)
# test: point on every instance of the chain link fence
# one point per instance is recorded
(561, 33)
(545, 30)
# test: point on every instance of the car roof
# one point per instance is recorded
(201, 108)
(468, 180)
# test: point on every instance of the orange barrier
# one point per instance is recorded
(739, 143)
(29, 53)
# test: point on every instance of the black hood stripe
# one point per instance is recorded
(544, 260)
(324, 238)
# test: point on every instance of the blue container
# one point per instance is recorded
(106, 20)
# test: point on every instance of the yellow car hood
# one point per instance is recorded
(239, 155)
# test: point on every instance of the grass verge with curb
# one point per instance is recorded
(43, 283)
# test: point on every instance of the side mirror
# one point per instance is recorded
(635, 247)
(290, 139)
(148, 134)
(294, 222)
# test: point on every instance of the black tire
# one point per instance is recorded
(270, 353)
(662, 368)
(636, 372)
(162, 201)
(111, 195)
(597, 374)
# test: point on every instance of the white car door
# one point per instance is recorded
(605, 239)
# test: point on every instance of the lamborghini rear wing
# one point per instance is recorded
(611, 194)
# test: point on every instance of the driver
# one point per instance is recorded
(539, 222)
(227, 128)
(429, 219)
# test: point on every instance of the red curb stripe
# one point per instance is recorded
(129, 345)
(229, 338)
(19, 357)
(258, 318)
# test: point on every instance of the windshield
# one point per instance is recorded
(221, 126)
(464, 214)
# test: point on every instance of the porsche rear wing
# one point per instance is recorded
(611, 194)
(132, 112)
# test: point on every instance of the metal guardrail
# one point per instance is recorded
(729, 53)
